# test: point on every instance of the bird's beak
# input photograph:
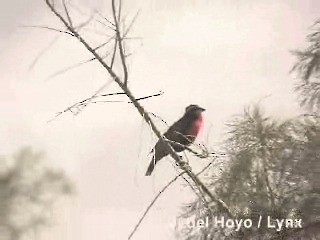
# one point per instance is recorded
(202, 109)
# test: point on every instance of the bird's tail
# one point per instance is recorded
(151, 167)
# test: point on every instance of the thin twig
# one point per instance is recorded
(82, 25)
(64, 70)
(119, 10)
(105, 43)
(120, 43)
(114, 52)
(43, 51)
(206, 167)
(69, 109)
(131, 24)
(205, 153)
(158, 195)
(152, 203)
(67, 12)
(160, 118)
(132, 38)
(98, 32)
(100, 15)
(51, 29)
(196, 189)
(153, 95)
(107, 26)
(78, 106)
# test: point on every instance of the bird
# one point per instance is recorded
(184, 132)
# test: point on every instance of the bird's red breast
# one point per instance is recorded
(196, 126)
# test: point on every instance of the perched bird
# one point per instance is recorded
(184, 132)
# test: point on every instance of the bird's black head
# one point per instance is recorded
(193, 112)
(194, 108)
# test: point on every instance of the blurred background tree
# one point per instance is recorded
(307, 68)
(28, 192)
(272, 168)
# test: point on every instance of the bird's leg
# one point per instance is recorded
(181, 158)
(184, 164)
(186, 157)
(188, 167)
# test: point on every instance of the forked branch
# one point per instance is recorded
(119, 41)
(159, 194)
(123, 85)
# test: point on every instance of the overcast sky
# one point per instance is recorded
(220, 54)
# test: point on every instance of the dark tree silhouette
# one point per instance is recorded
(28, 191)
(273, 167)
(272, 170)
(307, 68)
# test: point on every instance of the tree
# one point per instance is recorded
(307, 68)
(272, 167)
(271, 171)
(28, 192)
(263, 173)
(111, 54)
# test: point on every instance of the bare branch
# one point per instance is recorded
(43, 51)
(131, 24)
(119, 10)
(161, 119)
(196, 189)
(106, 25)
(105, 43)
(114, 52)
(142, 112)
(70, 109)
(132, 38)
(158, 195)
(204, 154)
(51, 29)
(64, 70)
(120, 43)
(206, 167)
(153, 95)
(77, 107)
(152, 203)
(67, 12)
(85, 23)
(98, 32)
(105, 19)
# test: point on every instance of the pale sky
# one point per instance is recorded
(220, 54)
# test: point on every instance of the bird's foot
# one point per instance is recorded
(187, 167)
(184, 165)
